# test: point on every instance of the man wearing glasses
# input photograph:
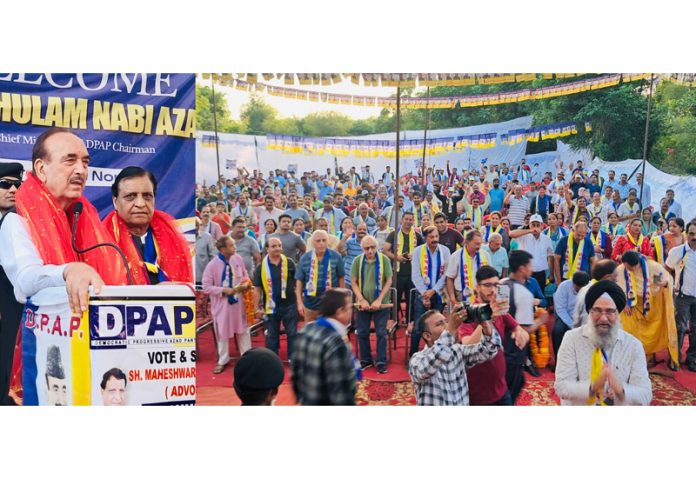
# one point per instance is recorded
(599, 363)
(10, 309)
(371, 277)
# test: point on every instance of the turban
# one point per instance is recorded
(259, 369)
(605, 286)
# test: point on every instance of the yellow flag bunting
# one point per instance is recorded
(362, 148)
(552, 91)
(405, 80)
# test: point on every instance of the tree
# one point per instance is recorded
(362, 127)
(283, 126)
(204, 112)
(326, 123)
(675, 148)
(255, 113)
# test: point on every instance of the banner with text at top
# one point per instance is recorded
(145, 120)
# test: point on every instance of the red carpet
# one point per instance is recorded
(207, 359)
(395, 388)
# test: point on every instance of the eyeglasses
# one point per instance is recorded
(599, 312)
(368, 248)
(7, 184)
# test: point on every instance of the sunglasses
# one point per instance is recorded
(7, 184)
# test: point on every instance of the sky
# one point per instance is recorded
(288, 107)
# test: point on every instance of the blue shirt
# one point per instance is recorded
(353, 250)
(623, 189)
(587, 253)
(564, 302)
(338, 218)
(533, 286)
(326, 190)
(499, 259)
(611, 183)
(497, 196)
(302, 274)
(369, 221)
(297, 213)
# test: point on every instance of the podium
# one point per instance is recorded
(135, 345)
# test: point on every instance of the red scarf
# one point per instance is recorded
(50, 228)
(174, 257)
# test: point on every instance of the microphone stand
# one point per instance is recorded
(78, 212)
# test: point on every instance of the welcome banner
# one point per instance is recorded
(140, 119)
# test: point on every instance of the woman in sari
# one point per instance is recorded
(649, 313)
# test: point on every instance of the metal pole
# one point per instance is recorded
(425, 136)
(217, 140)
(645, 144)
(397, 188)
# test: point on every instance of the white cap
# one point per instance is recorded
(536, 218)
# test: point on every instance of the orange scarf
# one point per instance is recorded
(174, 256)
(50, 228)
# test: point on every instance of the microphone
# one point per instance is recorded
(77, 212)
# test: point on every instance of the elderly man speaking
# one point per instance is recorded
(155, 249)
(599, 363)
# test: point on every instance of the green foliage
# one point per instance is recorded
(204, 112)
(255, 114)
(675, 148)
(326, 123)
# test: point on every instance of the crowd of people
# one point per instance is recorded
(452, 238)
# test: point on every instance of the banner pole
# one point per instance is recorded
(425, 137)
(397, 187)
(645, 143)
(217, 140)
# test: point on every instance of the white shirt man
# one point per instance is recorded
(682, 261)
(536, 244)
(268, 211)
(627, 209)
(455, 271)
(599, 363)
(418, 276)
(245, 210)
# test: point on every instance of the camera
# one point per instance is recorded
(476, 313)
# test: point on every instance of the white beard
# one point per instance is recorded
(603, 341)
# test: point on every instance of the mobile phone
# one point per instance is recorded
(502, 293)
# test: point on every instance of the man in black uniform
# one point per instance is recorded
(10, 309)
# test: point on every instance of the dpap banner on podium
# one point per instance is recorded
(134, 346)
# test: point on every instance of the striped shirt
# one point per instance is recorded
(518, 210)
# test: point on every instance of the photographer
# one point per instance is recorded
(487, 381)
(438, 372)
